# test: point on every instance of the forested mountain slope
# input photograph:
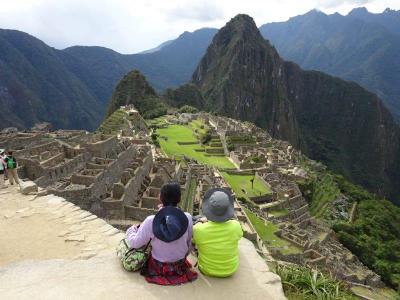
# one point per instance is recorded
(35, 85)
(332, 120)
(361, 46)
(71, 88)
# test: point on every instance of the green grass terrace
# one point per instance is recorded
(114, 123)
(171, 137)
(182, 140)
(266, 231)
(241, 185)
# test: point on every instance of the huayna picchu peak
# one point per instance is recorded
(332, 120)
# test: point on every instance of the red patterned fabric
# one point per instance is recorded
(168, 273)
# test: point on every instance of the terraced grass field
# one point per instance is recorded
(114, 123)
(278, 212)
(241, 185)
(199, 125)
(170, 136)
(156, 121)
(325, 192)
(266, 231)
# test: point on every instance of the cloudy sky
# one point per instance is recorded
(130, 26)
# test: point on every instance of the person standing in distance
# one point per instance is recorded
(3, 168)
(12, 165)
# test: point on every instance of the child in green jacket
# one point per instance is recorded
(217, 239)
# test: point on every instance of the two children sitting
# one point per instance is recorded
(171, 234)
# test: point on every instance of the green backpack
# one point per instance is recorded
(10, 163)
(132, 259)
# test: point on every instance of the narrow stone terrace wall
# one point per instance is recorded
(89, 197)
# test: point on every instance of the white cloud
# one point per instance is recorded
(337, 3)
(129, 26)
(203, 11)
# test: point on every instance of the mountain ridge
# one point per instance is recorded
(81, 79)
(242, 76)
(361, 49)
(97, 69)
(31, 72)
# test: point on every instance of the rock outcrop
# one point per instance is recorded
(337, 122)
(131, 89)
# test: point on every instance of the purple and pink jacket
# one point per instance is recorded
(161, 251)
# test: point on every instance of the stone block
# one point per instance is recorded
(150, 202)
(27, 187)
(42, 193)
(118, 190)
(131, 171)
(125, 177)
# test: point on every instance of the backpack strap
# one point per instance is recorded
(147, 245)
(134, 249)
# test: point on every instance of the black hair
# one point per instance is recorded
(170, 194)
(9, 152)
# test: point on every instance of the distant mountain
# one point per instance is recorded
(70, 88)
(361, 46)
(170, 66)
(173, 64)
(389, 18)
(331, 120)
(155, 49)
(35, 85)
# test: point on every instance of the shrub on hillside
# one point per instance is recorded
(152, 107)
(188, 109)
(374, 237)
(206, 137)
(230, 146)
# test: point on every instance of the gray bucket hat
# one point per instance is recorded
(218, 205)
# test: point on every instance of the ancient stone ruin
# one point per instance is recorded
(118, 178)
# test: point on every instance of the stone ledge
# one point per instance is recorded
(103, 278)
(91, 269)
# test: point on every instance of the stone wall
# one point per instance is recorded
(126, 190)
(137, 213)
(18, 141)
(267, 198)
(89, 197)
(102, 146)
(132, 189)
(43, 176)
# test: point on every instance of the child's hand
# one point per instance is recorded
(203, 220)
